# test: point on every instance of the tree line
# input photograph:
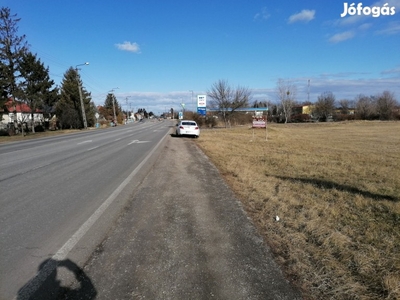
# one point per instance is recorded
(382, 106)
(286, 108)
(25, 79)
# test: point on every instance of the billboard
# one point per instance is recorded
(201, 101)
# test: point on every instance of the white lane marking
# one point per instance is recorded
(138, 142)
(90, 149)
(84, 142)
(33, 285)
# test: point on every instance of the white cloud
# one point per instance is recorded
(392, 28)
(305, 15)
(347, 85)
(128, 46)
(394, 71)
(365, 26)
(263, 15)
(340, 37)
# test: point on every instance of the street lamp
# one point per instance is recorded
(80, 94)
(191, 100)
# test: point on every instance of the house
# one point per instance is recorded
(302, 109)
(19, 112)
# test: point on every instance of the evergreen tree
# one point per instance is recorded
(91, 114)
(35, 85)
(12, 48)
(68, 108)
(110, 104)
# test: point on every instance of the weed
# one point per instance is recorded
(336, 190)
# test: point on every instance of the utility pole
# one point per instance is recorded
(127, 111)
(113, 98)
(80, 94)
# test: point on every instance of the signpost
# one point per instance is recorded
(202, 111)
(201, 100)
(260, 121)
(97, 120)
(259, 124)
(202, 105)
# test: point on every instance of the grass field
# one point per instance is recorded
(336, 190)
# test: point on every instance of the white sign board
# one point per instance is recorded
(201, 100)
(259, 124)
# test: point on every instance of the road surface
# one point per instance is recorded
(59, 195)
(175, 232)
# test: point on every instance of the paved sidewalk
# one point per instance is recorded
(185, 236)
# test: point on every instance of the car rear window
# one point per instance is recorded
(189, 123)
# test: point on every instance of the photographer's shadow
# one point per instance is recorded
(45, 285)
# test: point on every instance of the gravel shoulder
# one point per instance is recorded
(184, 235)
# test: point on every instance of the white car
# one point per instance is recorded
(187, 127)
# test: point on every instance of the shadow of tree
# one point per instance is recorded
(342, 187)
(45, 285)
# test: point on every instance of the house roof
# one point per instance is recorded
(18, 107)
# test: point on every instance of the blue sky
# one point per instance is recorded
(157, 52)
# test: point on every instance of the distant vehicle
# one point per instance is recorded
(187, 127)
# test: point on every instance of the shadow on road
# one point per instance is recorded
(46, 284)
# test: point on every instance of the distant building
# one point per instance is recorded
(19, 112)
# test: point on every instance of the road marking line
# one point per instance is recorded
(33, 285)
(84, 142)
(90, 149)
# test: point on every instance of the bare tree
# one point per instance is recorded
(385, 105)
(344, 106)
(325, 106)
(364, 107)
(228, 100)
(286, 92)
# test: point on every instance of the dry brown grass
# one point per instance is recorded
(30, 135)
(336, 189)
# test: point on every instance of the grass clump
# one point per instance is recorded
(336, 190)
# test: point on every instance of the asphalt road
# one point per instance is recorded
(60, 195)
